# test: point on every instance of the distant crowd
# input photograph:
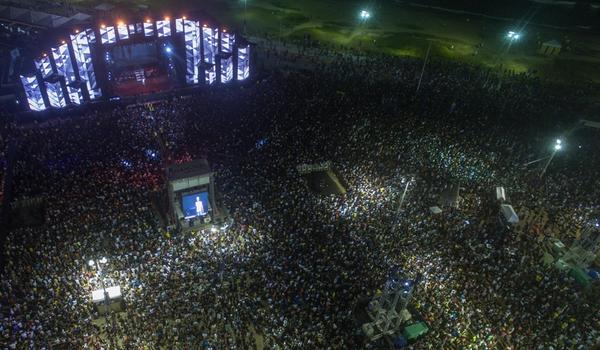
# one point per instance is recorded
(293, 268)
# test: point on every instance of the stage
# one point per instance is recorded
(110, 61)
(147, 86)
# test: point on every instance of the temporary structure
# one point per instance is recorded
(508, 214)
(550, 48)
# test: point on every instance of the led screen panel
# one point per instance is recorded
(75, 95)
(44, 66)
(243, 69)
(194, 205)
(163, 28)
(91, 36)
(85, 67)
(192, 50)
(107, 35)
(63, 62)
(95, 93)
(148, 29)
(35, 100)
(227, 42)
(226, 69)
(123, 32)
(211, 45)
(55, 95)
(131, 29)
(179, 25)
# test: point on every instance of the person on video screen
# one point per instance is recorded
(199, 207)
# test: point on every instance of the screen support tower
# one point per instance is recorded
(585, 250)
(384, 311)
(193, 176)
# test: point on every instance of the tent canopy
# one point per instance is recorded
(509, 214)
(415, 330)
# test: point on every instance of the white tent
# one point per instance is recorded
(435, 210)
(500, 194)
(508, 214)
(113, 292)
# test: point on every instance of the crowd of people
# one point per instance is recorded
(292, 269)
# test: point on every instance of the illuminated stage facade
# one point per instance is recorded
(126, 59)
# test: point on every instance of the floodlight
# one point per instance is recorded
(558, 141)
(512, 35)
(558, 147)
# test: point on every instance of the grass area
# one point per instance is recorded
(401, 29)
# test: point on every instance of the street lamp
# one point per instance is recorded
(365, 15)
(513, 36)
(558, 145)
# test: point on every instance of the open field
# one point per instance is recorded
(403, 29)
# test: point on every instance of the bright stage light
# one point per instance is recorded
(168, 49)
(91, 263)
(558, 147)
(558, 141)
(364, 14)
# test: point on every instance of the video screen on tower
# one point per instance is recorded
(195, 204)
(133, 55)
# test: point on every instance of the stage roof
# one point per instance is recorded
(39, 19)
(197, 167)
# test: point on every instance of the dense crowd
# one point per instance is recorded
(292, 268)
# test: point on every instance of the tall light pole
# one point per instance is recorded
(402, 202)
(423, 69)
(557, 147)
(245, 9)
